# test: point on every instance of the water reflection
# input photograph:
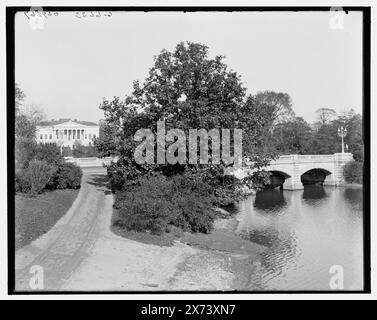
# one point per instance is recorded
(309, 231)
(353, 196)
(270, 200)
(314, 192)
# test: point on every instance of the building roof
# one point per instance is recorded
(63, 120)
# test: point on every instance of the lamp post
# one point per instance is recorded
(342, 132)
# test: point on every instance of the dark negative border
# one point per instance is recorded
(10, 60)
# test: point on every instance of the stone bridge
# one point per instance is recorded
(292, 167)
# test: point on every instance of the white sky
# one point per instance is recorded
(67, 67)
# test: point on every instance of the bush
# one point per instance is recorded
(116, 179)
(49, 152)
(80, 151)
(25, 151)
(67, 152)
(194, 204)
(146, 207)
(35, 177)
(353, 172)
(68, 175)
(157, 202)
(195, 214)
(21, 184)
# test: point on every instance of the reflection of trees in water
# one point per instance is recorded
(270, 200)
(272, 261)
(313, 193)
(290, 251)
(265, 237)
(354, 196)
(282, 251)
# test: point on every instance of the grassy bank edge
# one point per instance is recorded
(36, 215)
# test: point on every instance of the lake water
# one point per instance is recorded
(306, 232)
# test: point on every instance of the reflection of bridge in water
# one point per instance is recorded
(292, 167)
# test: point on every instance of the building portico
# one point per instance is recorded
(67, 133)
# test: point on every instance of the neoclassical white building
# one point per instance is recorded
(66, 132)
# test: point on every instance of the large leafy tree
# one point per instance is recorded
(279, 106)
(327, 141)
(292, 137)
(26, 119)
(325, 115)
(187, 89)
(354, 138)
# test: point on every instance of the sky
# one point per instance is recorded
(67, 67)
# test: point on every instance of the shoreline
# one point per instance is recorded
(351, 185)
(220, 260)
(240, 257)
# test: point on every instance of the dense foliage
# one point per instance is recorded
(157, 202)
(67, 176)
(39, 166)
(353, 172)
(35, 177)
(298, 137)
(44, 168)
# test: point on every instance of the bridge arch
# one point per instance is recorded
(279, 172)
(315, 175)
(324, 168)
(277, 178)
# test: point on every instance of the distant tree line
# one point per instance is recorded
(296, 136)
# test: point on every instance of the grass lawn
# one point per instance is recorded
(36, 215)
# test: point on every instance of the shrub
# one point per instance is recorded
(35, 177)
(49, 152)
(194, 204)
(21, 184)
(25, 151)
(67, 152)
(157, 202)
(353, 172)
(68, 175)
(195, 213)
(145, 207)
(116, 179)
(81, 151)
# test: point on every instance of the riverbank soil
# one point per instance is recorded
(225, 261)
(220, 261)
(35, 215)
